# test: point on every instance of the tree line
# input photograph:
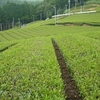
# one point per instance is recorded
(12, 13)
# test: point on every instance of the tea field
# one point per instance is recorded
(82, 55)
(28, 65)
(82, 19)
(29, 71)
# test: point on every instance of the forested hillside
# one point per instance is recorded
(20, 11)
(3, 2)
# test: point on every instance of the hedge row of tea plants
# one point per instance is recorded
(29, 71)
(82, 55)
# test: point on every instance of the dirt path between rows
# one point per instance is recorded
(71, 90)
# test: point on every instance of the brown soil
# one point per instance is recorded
(72, 24)
(71, 91)
(91, 9)
(85, 25)
(69, 25)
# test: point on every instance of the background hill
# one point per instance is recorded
(3, 2)
(26, 11)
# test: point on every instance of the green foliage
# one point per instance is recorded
(25, 10)
(4, 45)
(3, 2)
(82, 56)
(85, 18)
(29, 70)
(93, 2)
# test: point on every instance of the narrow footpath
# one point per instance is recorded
(71, 90)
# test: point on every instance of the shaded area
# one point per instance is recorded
(7, 47)
(95, 24)
(71, 90)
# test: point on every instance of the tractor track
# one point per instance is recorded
(71, 90)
